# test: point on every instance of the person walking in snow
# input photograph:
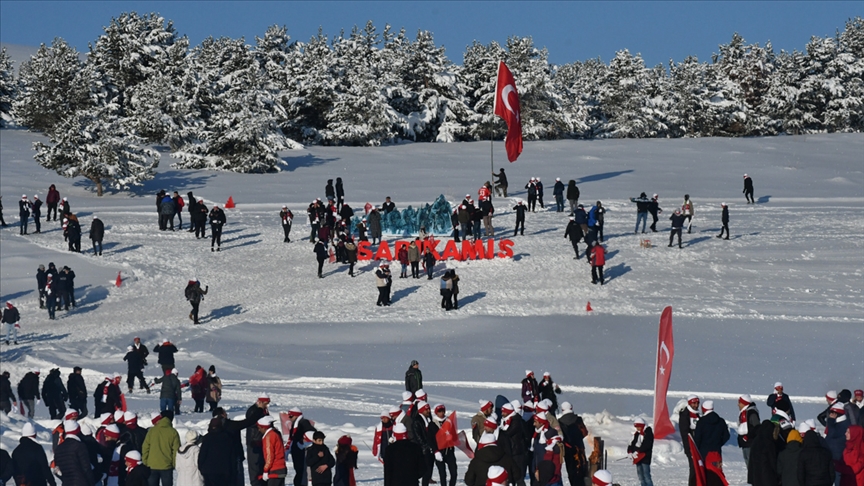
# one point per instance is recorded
(97, 234)
(287, 218)
(383, 280)
(654, 209)
(321, 255)
(170, 394)
(677, 227)
(54, 394)
(598, 260)
(689, 211)
(195, 294)
(351, 255)
(214, 388)
(748, 189)
(73, 231)
(572, 194)
(520, 209)
(539, 186)
(12, 322)
(640, 449)
(596, 219)
(217, 221)
(28, 391)
(641, 210)
(52, 200)
(724, 218)
(23, 214)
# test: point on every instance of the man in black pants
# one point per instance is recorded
(677, 227)
(654, 209)
(725, 220)
(217, 220)
(384, 280)
(748, 189)
(520, 209)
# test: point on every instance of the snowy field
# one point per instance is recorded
(782, 300)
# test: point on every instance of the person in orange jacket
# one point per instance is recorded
(273, 450)
(598, 259)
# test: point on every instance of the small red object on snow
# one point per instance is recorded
(588, 307)
(119, 280)
(230, 203)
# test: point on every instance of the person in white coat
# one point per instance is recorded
(187, 461)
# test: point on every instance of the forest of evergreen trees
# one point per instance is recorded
(229, 105)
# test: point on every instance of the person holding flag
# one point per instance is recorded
(640, 451)
(445, 457)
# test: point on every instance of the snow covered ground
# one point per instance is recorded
(782, 300)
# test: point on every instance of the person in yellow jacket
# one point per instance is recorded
(159, 451)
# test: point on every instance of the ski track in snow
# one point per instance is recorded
(794, 263)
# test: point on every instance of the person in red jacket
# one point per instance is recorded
(598, 259)
(853, 454)
(273, 451)
(402, 255)
(52, 201)
(199, 387)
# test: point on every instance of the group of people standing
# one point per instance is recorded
(168, 207)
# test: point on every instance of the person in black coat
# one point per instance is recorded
(234, 427)
(254, 437)
(478, 468)
(73, 231)
(641, 447)
(41, 281)
(216, 459)
(677, 227)
(558, 192)
(748, 189)
(573, 431)
(73, 460)
(511, 438)
(710, 436)
(134, 369)
(23, 214)
(574, 232)
(548, 390)
(166, 352)
(199, 217)
(815, 466)
(139, 475)
(572, 195)
(37, 213)
(319, 461)
(724, 218)
(404, 464)
(780, 401)
(340, 192)
(217, 221)
(29, 462)
(28, 391)
(445, 459)
(299, 427)
(97, 233)
(655, 210)
(10, 319)
(54, 394)
(77, 390)
(7, 397)
(6, 466)
(413, 377)
(321, 255)
(191, 207)
(501, 183)
(520, 209)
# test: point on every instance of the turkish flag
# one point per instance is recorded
(665, 352)
(463, 445)
(448, 434)
(698, 464)
(285, 424)
(507, 107)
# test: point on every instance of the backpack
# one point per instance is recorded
(190, 293)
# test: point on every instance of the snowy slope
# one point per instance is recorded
(768, 305)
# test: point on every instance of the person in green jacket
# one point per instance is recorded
(159, 451)
(171, 393)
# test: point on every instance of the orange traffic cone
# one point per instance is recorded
(230, 203)
(119, 280)
(588, 307)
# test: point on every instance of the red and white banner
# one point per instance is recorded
(448, 434)
(507, 107)
(665, 353)
(698, 463)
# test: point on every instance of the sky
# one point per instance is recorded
(571, 31)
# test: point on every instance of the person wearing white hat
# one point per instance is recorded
(287, 218)
(24, 207)
(187, 461)
(529, 387)
(300, 426)
(404, 462)
(136, 471)
(710, 435)
(170, 393)
(748, 189)
(831, 399)
(558, 192)
(780, 401)
(383, 281)
(574, 431)
(602, 478)
(548, 389)
(520, 209)
(640, 449)
(724, 219)
(36, 206)
(166, 352)
(383, 432)
(445, 459)
(487, 456)
(30, 459)
(217, 221)
(748, 420)
(478, 421)
(532, 194)
(70, 457)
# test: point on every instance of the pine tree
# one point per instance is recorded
(689, 113)
(93, 143)
(478, 75)
(541, 106)
(50, 86)
(7, 89)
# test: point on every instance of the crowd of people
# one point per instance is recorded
(532, 440)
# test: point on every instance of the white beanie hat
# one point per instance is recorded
(602, 478)
(803, 428)
(174, 371)
(778, 385)
(134, 455)
(496, 476)
(708, 405)
(266, 421)
(831, 395)
(127, 416)
(639, 421)
(28, 430)
(566, 407)
(487, 439)
(71, 426)
(85, 429)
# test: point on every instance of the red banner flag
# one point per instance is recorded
(448, 434)
(698, 464)
(463, 445)
(285, 425)
(665, 353)
(507, 107)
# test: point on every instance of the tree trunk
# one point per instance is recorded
(98, 183)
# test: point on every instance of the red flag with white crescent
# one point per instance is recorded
(507, 107)
(448, 434)
(665, 353)
(697, 463)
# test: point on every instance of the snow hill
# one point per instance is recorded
(782, 300)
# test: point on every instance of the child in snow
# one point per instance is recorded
(319, 461)
(346, 462)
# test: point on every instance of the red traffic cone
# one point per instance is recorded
(588, 307)
(230, 203)
(119, 280)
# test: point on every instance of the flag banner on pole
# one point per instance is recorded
(507, 107)
(665, 353)
(463, 445)
(448, 434)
